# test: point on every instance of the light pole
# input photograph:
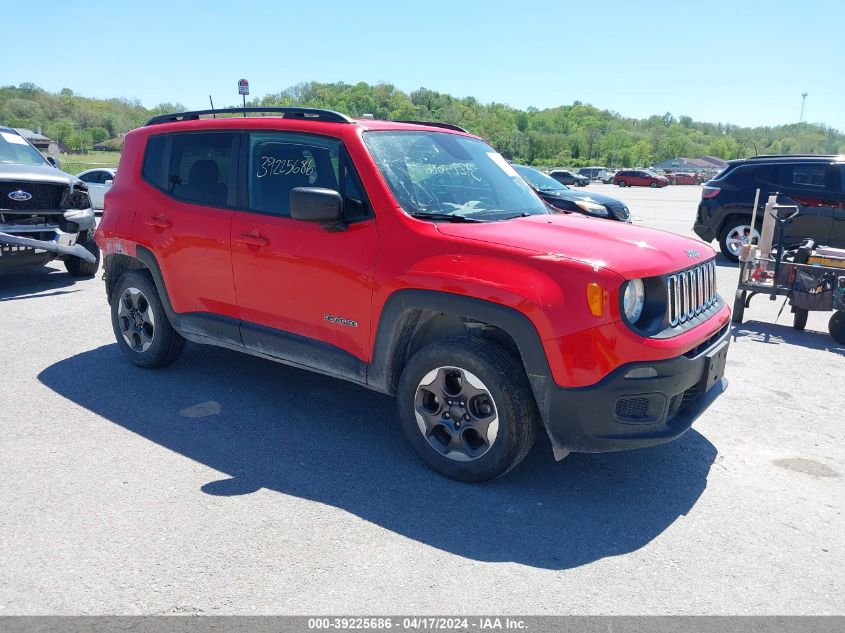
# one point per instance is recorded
(803, 99)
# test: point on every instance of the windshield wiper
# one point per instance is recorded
(445, 216)
(524, 214)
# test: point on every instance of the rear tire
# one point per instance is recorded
(141, 327)
(731, 235)
(739, 307)
(77, 267)
(491, 423)
(836, 327)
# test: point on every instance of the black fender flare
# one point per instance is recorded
(396, 325)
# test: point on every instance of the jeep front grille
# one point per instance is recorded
(691, 292)
(44, 196)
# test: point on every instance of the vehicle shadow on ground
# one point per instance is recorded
(31, 283)
(270, 426)
(785, 334)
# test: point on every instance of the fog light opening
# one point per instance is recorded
(642, 372)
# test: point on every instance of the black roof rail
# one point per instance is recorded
(446, 126)
(312, 114)
(764, 156)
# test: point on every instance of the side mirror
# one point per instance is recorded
(109, 182)
(315, 204)
(53, 161)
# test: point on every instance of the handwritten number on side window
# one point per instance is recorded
(269, 166)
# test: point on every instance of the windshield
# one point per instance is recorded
(539, 180)
(14, 149)
(441, 174)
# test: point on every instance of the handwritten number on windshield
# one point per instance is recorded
(455, 169)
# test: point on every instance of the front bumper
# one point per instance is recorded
(60, 242)
(620, 413)
(705, 226)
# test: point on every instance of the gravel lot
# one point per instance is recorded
(230, 485)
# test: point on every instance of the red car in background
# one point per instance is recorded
(682, 179)
(639, 178)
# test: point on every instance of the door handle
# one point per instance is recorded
(159, 222)
(253, 239)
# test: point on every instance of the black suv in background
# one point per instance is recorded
(815, 183)
(566, 177)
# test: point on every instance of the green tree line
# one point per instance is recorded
(576, 135)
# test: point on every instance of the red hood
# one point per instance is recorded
(629, 250)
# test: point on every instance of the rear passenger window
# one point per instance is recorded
(810, 175)
(279, 162)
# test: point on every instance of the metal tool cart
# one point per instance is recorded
(812, 279)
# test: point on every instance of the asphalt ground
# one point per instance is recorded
(226, 484)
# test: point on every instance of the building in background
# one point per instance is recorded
(42, 143)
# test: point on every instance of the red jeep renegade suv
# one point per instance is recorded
(411, 258)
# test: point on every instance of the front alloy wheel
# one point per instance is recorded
(467, 408)
(456, 413)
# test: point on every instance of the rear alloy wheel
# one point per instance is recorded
(141, 328)
(467, 409)
(733, 236)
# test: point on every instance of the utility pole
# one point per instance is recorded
(803, 99)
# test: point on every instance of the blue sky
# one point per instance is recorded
(743, 62)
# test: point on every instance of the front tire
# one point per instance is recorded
(653, 185)
(467, 409)
(141, 327)
(622, 183)
(77, 267)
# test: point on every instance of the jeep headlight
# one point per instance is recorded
(591, 207)
(633, 300)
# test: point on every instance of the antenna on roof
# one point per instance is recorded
(212, 105)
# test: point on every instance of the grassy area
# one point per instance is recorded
(75, 163)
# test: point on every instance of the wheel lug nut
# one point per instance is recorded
(449, 402)
(463, 404)
(446, 415)
(457, 425)
(466, 417)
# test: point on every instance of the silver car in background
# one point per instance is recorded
(99, 181)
